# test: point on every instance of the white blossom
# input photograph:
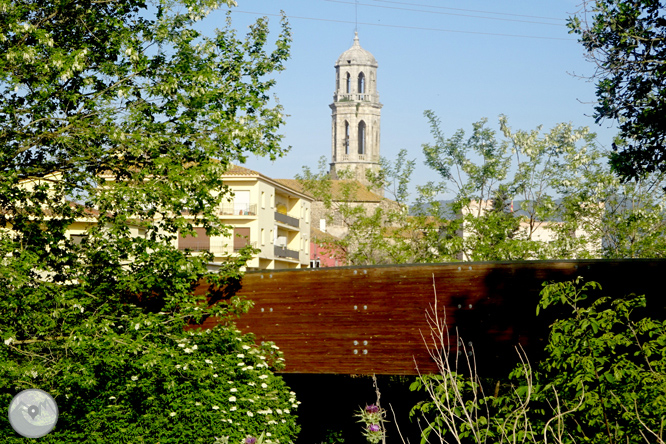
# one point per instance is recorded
(172, 414)
(232, 399)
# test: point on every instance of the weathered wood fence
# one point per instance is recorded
(370, 320)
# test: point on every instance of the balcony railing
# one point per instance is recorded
(226, 249)
(294, 222)
(285, 252)
(239, 210)
(355, 97)
(362, 157)
(195, 246)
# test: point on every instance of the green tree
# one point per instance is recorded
(121, 116)
(563, 182)
(486, 174)
(626, 41)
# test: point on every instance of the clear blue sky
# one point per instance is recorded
(463, 60)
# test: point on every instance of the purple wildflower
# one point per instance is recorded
(371, 408)
(250, 440)
(374, 428)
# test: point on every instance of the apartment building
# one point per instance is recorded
(263, 213)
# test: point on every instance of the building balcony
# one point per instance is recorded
(280, 251)
(292, 221)
(238, 210)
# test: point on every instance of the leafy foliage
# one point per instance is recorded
(626, 42)
(116, 121)
(603, 380)
(608, 367)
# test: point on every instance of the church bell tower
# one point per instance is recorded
(356, 113)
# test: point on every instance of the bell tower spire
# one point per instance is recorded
(355, 114)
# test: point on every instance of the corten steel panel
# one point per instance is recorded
(315, 315)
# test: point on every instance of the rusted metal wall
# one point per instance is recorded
(365, 320)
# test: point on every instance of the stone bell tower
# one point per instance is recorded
(356, 113)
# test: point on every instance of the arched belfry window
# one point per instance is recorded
(361, 83)
(361, 137)
(348, 83)
(346, 141)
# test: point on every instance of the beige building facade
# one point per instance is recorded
(263, 213)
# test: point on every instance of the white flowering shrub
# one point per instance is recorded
(152, 381)
(236, 394)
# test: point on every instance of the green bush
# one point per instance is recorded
(603, 381)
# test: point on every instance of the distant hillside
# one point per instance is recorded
(448, 214)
